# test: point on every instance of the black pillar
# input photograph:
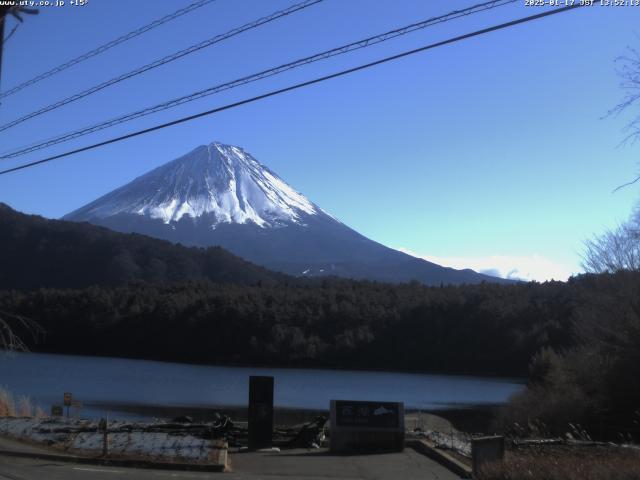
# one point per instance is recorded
(260, 412)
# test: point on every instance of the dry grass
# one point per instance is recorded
(22, 408)
(567, 463)
(7, 403)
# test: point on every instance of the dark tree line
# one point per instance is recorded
(479, 329)
(594, 381)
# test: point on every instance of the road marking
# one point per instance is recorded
(98, 470)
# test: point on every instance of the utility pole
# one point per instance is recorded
(3, 15)
(5, 10)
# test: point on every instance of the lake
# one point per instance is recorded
(119, 382)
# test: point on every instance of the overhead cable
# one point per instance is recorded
(296, 86)
(162, 61)
(106, 46)
(367, 42)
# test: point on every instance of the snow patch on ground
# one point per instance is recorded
(126, 440)
(457, 441)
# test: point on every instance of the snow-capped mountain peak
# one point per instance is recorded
(217, 179)
(220, 195)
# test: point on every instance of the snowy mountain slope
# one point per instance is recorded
(217, 179)
(221, 195)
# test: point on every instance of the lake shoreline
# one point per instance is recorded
(471, 418)
(462, 374)
(103, 385)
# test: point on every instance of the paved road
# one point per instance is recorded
(320, 465)
(303, 464)
(13, 445)
(13, 468)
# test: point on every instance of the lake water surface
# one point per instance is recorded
(113, 381)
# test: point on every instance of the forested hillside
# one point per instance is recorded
(37, 252)
(482, 329)
(578, 342)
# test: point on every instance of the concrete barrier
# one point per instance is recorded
(444, 458)
(486, 450)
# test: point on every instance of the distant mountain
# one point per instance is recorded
(36, 252)
(220, 195)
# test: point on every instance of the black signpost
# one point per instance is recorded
(260, 412)
(103, 427)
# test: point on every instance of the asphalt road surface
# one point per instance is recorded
(286, 465)
(13, 468)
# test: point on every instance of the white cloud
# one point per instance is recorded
(522, 267)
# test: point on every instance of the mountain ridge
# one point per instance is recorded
(221, 195)
(36, 252)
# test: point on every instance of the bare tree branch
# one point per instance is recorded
(619, 187)
(614, 250)
(628, 70)
(11, 341)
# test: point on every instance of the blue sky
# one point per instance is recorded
(490, 153)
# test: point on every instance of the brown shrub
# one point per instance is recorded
(566, 463)
(543, 411)
(9, 407)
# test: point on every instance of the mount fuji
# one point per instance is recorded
(221, 195)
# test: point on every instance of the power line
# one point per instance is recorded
(164, 60)
(107, 46)
(297, 86)
(259, 76)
